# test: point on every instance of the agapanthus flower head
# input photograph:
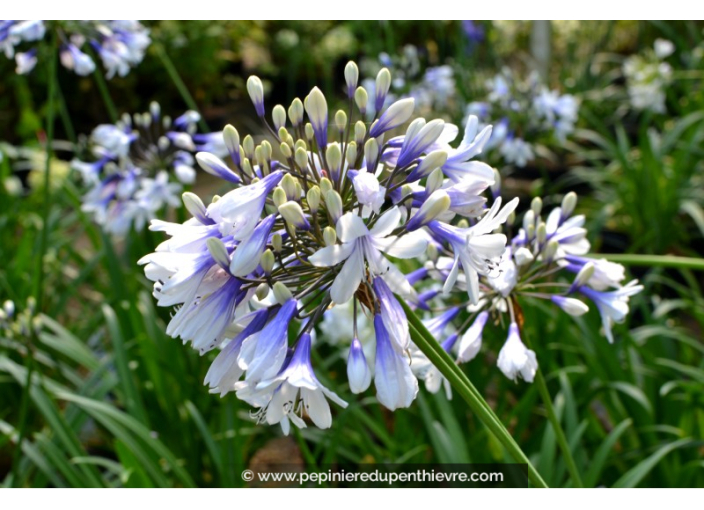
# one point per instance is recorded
(140, 165)
(524, 113)
(310, 240)
(121, 44)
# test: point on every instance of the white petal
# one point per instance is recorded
(386, 223)
(331, 255)
(350, 227)
(407, 246)
(348, 279)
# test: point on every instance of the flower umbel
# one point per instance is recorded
(317, 233)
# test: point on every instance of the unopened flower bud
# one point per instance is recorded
(360, 131)
(279, 196)
(396, 115)
(278, 116)
(371, 153)
(288, 183)
(584, 275)
(333, 155)
(432, 161)
(293, 214)
(218, 252)
(351, 155)
(541, 233)
(438, 203)
(361, 98)
(351, 78)
(383, 83)
(232, 142)
(262, 291)
(359, 374)
(277, 242)
(248, 147)
(267, 261)
(496, 187)
(569, 202)
(463, 223)
(247, 167)
(529, 223)
(523, 256)
(317, 109)
(301, 158)
(255, 89)
(432, 252)
(313, 199)
(195, 206)
(325, 186)
(341, 120)
(259, 156)
(536, 206)
(301, 144)
(329, 236)
(285, 150)
(333, 201)
(572, 306)
(435, 180)
(309, 131)
(295, 112)
(550, 250)
(281, 293)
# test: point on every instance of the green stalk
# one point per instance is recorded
(462, 385)
(653, 260)
(105, 94)
(559, 433)
(555, 422)
(180, 85)
(39, 274)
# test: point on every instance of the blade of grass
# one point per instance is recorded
(460, 383)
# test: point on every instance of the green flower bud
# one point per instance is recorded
(248, 146)
(267, 262)
(277, 242)
(281, 293)
(360, 131)
(329, 236)
(279, 196)
(262, 291)
(341, 120)
(278, 116)
(569, 202)
(325, 185)
(295, 112)
(309, 131)
(360, 98)
(301, 158)
(313, 199)
(288, 183)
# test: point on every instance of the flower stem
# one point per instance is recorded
(462, 385)
(39, 275)
(105, 94)
(180, 85)
(559, 433)
(653, 260)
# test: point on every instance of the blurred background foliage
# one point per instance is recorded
(115, 402)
